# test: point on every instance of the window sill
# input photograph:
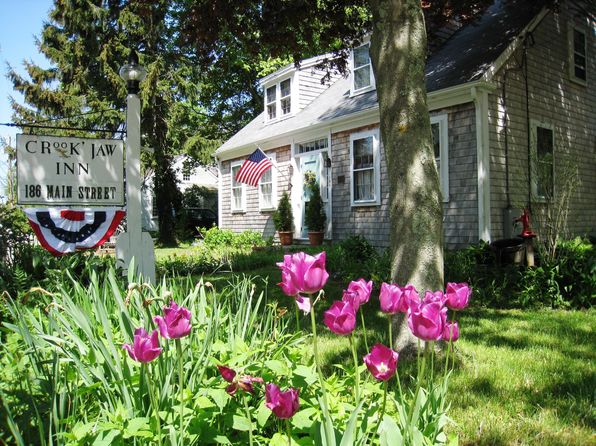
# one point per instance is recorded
(358, 204)
(362, 90)
(238, 211)
(267, 210)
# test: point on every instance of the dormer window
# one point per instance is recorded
(362, 75)
(278, 99)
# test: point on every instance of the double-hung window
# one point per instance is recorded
(362, 75)
(543, 168)
(578, 56)
(438, 125)
(268, 187)
(278, 100)
(238, 192)
(365, 166)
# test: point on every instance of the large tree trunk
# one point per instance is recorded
(398, 54)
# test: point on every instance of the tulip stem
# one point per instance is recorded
(421, 371)
(364, 330)
(328, 434)
(297, 317)
(246, 408)
(390, 319)
(356, 373)
(154, 400)
(180, 383)
(383, 406)
(289, 431)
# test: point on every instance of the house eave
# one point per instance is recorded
(291, 68)
(447, 97)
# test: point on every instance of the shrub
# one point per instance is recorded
(315, 216)
(283, 219)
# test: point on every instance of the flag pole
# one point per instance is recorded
(276, 168)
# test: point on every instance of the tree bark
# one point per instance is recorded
(398, 54)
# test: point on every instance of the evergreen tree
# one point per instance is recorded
(87, 41)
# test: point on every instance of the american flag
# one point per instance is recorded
(253, 168)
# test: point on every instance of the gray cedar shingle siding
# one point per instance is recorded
(253, 218)
(553, 99)
(310, 85)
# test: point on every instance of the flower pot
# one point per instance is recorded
(316, 238)
(286, 237)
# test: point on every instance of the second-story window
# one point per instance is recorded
(278, 100)
(361, 69)
(577, 54)
(271, 102)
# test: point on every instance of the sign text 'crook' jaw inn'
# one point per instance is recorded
(69, 171)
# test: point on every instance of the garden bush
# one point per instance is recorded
(568, 280)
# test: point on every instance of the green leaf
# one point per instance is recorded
(262, 414)
(222, 439)
(277, 367)
(389, 433)
(80, 431)
(349, 436)
(279, 440)
(302, 419)
(308, 373)
(452, 439)
(106, 439)
(219, 397)
(241, 423)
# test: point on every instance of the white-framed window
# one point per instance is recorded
(238, 190)
(186, 174)
(439, 128)
(543, 160)
(278, 99)
(362, 74)
(365, 164)
(268, 187)
(578, 54)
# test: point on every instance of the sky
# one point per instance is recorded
(20, 22)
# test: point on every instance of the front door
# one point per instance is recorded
(312, 164)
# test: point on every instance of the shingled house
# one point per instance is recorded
(512, 106)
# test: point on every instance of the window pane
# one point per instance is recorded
(579, 42)
(271, 111)
(271, 94)
(237, 195)
(266, 193)
(364, 185)
(361, 56)
(285, 106)
(363, 153)
(284, 88)
(311, 146)
(436, 139)
(235, 170)
(545, 155)
(362, 77)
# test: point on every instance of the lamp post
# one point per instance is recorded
(134, 243)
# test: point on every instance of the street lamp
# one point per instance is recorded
(134, 243)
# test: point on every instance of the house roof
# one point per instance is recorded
(464, 58)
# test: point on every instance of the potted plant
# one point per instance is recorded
(283, 219)
(315, 216)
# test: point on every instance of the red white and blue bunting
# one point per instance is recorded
(63, 231)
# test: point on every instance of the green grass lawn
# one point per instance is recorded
(521, 377)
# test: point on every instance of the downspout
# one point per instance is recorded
(482, 162)
(219, 191)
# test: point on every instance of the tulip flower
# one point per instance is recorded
(395, 299)
(145, 348)
(450, 332)
(352, 297)
(437, 296)
(303, 273)
(426, 320)
(340, 318)
(236, 381)
(458, 295)
(175, 323)
(283, 404)
(362, 289)
(381, 362)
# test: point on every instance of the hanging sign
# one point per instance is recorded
(69, 171)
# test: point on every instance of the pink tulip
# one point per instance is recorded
(426, 320)
(283, 404)
(304, 304)
(236, 381)
(395, 299)
(458, 295)
(450, 332)
(362, 288)
(175, 323)
(381, 362)
(351, 297)
(340, 318)
(437, 296)
(303, 273)
(145, 348)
